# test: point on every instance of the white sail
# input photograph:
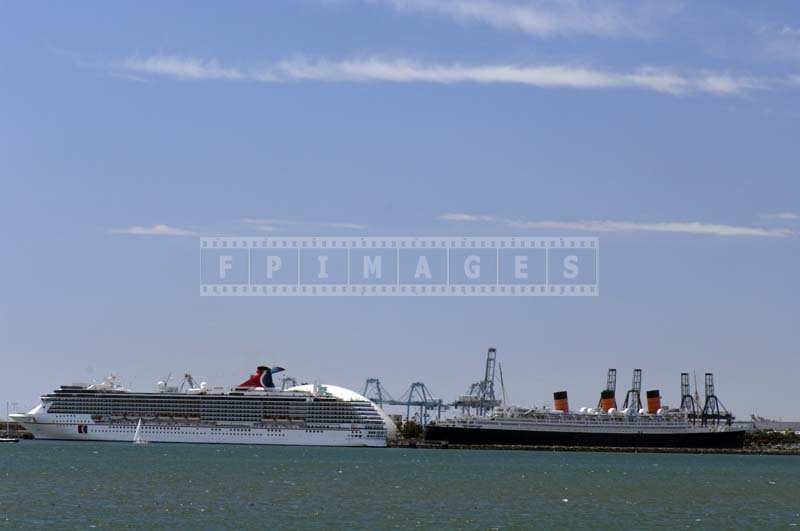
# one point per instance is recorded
(137, 436)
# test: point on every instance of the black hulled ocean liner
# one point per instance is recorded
(604, 426)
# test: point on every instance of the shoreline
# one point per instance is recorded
(747, 450)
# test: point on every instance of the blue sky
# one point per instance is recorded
(668, 129)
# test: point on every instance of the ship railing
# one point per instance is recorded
(578, 422)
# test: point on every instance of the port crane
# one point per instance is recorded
(713, 410)
(417, 397)
(188, 379)
(634, 396)
(688, 403)
(481, 395)
(480, 398)
(373, 390)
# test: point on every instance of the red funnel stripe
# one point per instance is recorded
(254, 380)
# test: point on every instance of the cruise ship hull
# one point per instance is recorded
(124, 432)
(490, 436)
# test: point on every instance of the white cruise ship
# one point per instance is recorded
(254, 412)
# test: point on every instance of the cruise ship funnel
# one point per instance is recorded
(607, 400)
(561, 402)
(653, 401)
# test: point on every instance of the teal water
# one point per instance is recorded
(83, 485)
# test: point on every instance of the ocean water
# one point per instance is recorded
(104, 485)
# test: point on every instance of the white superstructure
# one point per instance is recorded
(252, 413)
(587, 420)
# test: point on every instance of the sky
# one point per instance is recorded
(667, 129)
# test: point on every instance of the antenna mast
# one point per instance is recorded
(502, 384)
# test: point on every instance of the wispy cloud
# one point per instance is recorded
(684, 227)
(153, 230)
(783, 216)
(275, 225)
(545, 19)
(183, 67)
(665, 80)
(352, 226)
(460, 216)
(693, 227)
